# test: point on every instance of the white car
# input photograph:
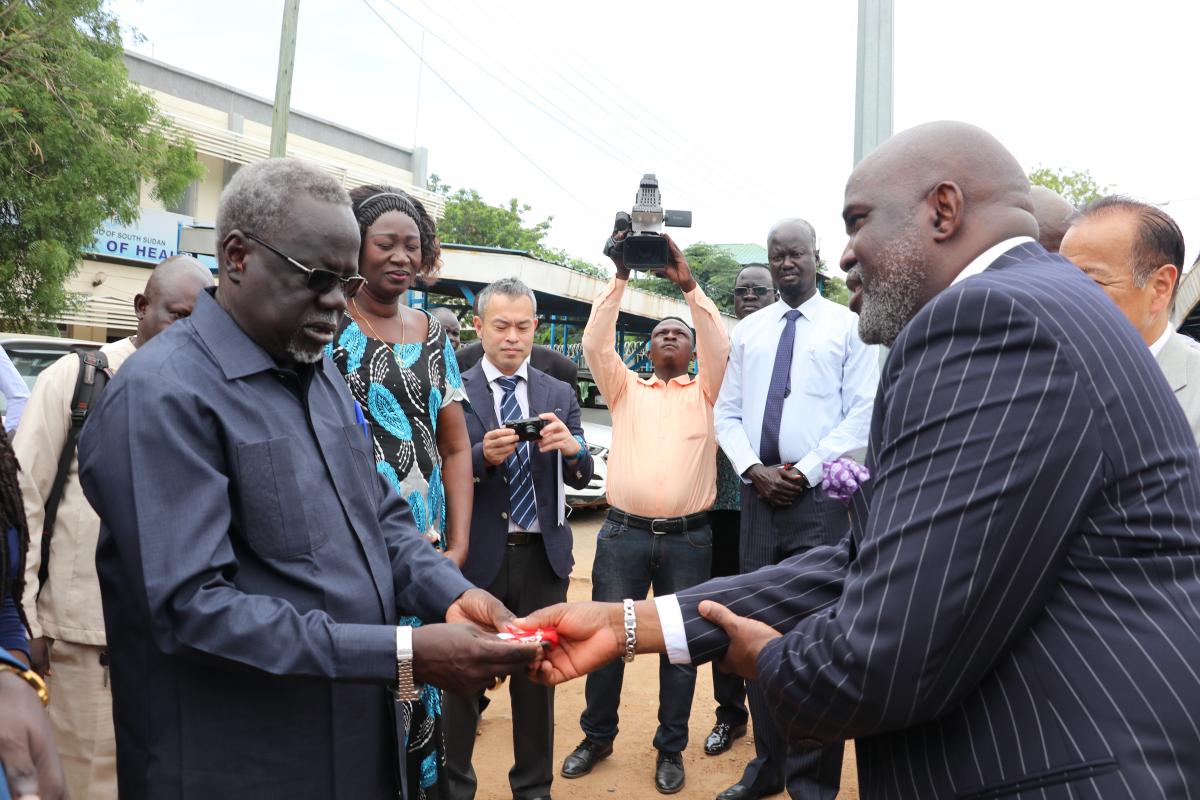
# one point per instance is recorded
(599, 439)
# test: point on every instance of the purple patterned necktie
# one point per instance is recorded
(781, 387)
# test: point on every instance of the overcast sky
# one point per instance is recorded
(745, 111)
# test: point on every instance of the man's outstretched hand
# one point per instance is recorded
(478, 607)
(747, 637)
(590, 635)
(464, 659)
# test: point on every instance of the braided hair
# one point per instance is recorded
(372, 202)
(12, 515)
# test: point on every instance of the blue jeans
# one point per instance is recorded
(629, 561)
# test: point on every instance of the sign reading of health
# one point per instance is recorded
(149, 239)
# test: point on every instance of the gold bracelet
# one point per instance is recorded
(32, 678)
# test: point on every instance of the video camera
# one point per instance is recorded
(645, 248)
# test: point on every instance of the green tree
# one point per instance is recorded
(469, 219)
(1078, 188)
(712, 267)
(76, 139)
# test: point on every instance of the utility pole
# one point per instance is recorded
(283, 80)
(873, 94)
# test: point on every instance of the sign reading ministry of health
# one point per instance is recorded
(148, 240)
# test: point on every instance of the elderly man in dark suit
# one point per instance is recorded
(1014, 611)
(252, 563)
(520, 539)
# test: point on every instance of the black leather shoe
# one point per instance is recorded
(740, 792)
(584, 757)
(668, 774)
(722, 736)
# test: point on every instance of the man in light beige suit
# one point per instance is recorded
(65, 617)
(1135, 252)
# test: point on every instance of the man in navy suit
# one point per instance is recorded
(520, 539)
(1015, 611)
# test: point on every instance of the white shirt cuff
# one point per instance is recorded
(812, 468)
(670, 617)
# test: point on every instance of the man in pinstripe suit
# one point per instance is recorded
(1015, 613)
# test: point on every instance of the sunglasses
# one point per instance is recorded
(759, 291)
(319, 280)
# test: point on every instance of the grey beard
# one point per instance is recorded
(302, 353)
(893, 296)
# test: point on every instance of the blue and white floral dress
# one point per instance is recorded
(401, 388)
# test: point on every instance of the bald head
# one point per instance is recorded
(1053, 214)
(792, 254)
(170, 295)
(920, 208)
(450, 324)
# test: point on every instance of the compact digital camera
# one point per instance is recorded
(527, 430)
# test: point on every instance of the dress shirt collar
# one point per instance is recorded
(235, 352)
(985, 259)
(493, 373)
(1161, 342)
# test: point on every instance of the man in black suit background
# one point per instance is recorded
(541, 357)
(520, 539)
(1014, 612)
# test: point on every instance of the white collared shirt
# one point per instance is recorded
(493, 374)
(988, 257)
(833, 379)
(1161, 342)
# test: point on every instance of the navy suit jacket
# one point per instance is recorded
(252, 566)
(1015, 613)
(489, 514)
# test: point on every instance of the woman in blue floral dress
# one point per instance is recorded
(401, 369)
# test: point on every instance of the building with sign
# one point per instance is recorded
(229, 128)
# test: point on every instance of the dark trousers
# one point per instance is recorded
(729, 690)
(629, 561)
(769, 535)
(525, 584)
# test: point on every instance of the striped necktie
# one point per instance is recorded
(521, 506)
(780, 388)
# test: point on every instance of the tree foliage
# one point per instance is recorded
(76, 139)
(712, 267)
(1078, 188)
(469, 219)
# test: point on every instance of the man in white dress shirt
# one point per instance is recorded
(798, 392)
(1135, 252)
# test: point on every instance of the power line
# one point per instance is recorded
(734, 179)
(606, 109)
(476, 111)
(425, 29)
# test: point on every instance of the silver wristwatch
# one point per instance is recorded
(630, 632)
(406, 689)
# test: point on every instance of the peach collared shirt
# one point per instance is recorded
(663, 459)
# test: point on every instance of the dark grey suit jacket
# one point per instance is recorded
(489, 515)
(1017, 610)
(252, 565)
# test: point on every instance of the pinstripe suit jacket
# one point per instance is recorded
(1015, 613)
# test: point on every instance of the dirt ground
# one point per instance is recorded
(629, 772)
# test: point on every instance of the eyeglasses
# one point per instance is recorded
(319, 280)
(759, 291)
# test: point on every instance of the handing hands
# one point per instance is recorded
(464, 656)
(747, 638)
(464, 659)
(480, 608)
(776, 485)
(677, 270)
(590, 635)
